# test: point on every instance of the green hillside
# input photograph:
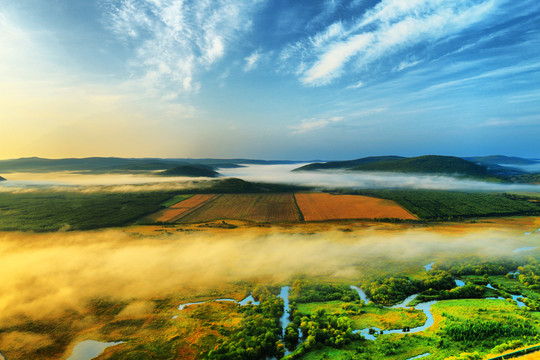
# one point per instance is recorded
(346, 164)
(501, 159)
(430, 164)
(190, 170)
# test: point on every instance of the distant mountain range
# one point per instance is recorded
(115, 164)
(485, 168)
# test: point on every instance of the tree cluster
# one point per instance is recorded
(303, 291)
(258, 335)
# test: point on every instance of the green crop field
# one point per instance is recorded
(51, 211)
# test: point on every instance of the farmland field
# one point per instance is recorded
(250, 207)
(320, 207)
(180, 208)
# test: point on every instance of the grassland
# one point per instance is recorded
(323, 206)
(368, 316)
(249, 207)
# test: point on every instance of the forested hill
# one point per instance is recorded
(116, 164)
(190, 170)
(2, 179)
(501, 159)
(347, 164)
(431, 164)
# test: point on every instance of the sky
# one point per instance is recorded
(269, 79)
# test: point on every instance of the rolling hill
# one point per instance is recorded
(347, 164)
(190, 170)
(427, 164)
(501, 159)
(116, 164)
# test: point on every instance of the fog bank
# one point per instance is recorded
(45, 274)
(366, 180)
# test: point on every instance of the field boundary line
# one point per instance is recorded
(517, 353)
(197, 207)
(300, 213)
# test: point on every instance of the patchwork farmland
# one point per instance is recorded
(322, 206)
(249, 207)
(177, 210)
(275, 208)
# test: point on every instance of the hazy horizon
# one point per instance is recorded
(333, 79)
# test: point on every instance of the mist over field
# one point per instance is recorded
(280, 174)
(46, 274)
(366, 180)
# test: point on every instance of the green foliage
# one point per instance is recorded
(52, 211)
(468, 291)
(320, 328)
(303, 291)
(436, 205)
(348, 164)
(428, 164)
(190, 170)
(530, 275)
(392, 289)
(474, 265)
(475, 330)
(510, 345)
(258, 335)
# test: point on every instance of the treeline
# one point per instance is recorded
(529, 275)
(439, 205)
(258, 335)
(393, 289)
(320, 328)
(475, 330)
(474, 265)
(304, 291)
(468, 291)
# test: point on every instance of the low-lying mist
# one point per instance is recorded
(280, 174)
(366, 180)
(45, 274)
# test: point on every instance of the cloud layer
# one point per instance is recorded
(379, 33)
(176, 40)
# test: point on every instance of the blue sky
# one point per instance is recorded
(269, 79)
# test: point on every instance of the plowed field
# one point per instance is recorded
(177, 210)
(250, 207)
(321, 207)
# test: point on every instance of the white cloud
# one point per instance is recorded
(314, 124)
(356, 85)
(406, 64)
(252, 61)
(389, 27)
(176, 40)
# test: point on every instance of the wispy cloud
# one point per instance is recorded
(176, 40)
(356, 85)
(252, 61)
(314, 124)
(378, 34)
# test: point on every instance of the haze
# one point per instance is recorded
(333, 79)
